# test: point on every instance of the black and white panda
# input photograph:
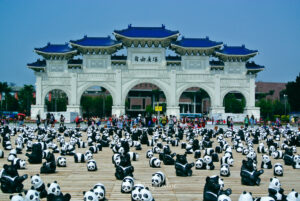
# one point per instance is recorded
(261, 148)
(225, 170)
(296, 161)
(275, 190)
(293, 196)
(158, 179)
(227, 159)
(277, 154)
(149, 154)
(245, 151)
(266, 162)
(246, 196)
(19, 163)
(81, 144)
(127, 184)
(199, 164)
(145, 195)
(116, 159)
(32, 195)
(1, 153)
(81, 158)
(136, 191)
(252, 155)
(154, 162)
(224, 197)
(89, 196)
(93, 149)
(133, 156)
(38, 184)
(266, 198)
(156, 150)
(197, 153)
(17, 197)
(53, 189)
(91, 165)
(218, 149)
(61, 161)
(46, 153)
(208, 162)
(278, 169)
(12, 155)
(209, 151)
(99, 190)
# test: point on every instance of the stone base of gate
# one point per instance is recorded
(255, 111)
(118, 110)
(216, 110)
(37, 109)
(74, 108)
(174, 111)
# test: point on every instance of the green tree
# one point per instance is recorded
(234, 103)
(149, 109)
(293, 95)
(4, 90)
(26, 99)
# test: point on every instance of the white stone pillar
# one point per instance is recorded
(217, 103)
(39, 107)
(118, 107)
(250, 108)
(172, 105)
(73, 102)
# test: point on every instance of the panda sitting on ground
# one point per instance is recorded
(38, 184)
(225, 170)
(266, 198)
(275, 190)
(208, 162)
(293, 196)
(278, 169)
(154, 162)
(224, 197)
(32, 195)
(18, 197)
(91, 165)
(277, 154)
(61, 161)
(158, 179)
(81, 158)
(89, 196)
(19, 163)
(54, 193)
(266, 162)
(199, 164)
(127, 184)
(246, 196)
(50, 165)
(99, 190)
(296, 163)
(213, 188)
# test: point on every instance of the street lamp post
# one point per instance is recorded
(285, 97)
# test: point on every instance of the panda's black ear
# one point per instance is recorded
(83, 192)
(147, 188)
(25, 191)
(31, 176)
(207, 178)
(55, 182)
(10, 197)
(271, 179)
(37, 174)
(32, 188)
(296, 195)
(153, 175)
(48, 185)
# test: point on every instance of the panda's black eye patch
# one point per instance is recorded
(53, 190)
(36, 194)
(145, 195)
(90, 198)
(36, 180)
(31, 197)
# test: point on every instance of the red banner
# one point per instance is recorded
(16, 96)
(49, 97)
(33, 94)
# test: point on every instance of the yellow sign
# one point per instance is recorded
(158, 108)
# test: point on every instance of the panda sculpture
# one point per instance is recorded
(127, 184)
(182, 167)
(224, 197)
(275, 190)
(199, 164)
(158, 179)
(225, 170)
(149, 154)
(82, 158)
(91, 165)
(141, 193)
(99, 190)
(12, 155)
(249, 175)
(246, 196)
(54, 193)
(11, 182)
(133, 156)
(61, 161)
(265, 198)
(293, 196)
(261, 148)
(213, 189)
(227, 159)
(208, 162)
(38, 184)
(19, 163)
(50, 165)
(32, 195)
(296, 162)
(266, 162)
(154, 162)
(278, 169)
(277, 154)
(89, 196)
(17, 197)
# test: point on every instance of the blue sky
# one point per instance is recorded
(270, 26)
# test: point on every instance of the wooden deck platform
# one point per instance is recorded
(75, 178)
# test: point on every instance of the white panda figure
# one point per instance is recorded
(136, 191)
(46, 153)
(32, 195)
(93, 149)
(225, 170)
(116, 159)
(277, 154)
(145, 195)
(245, 151)
(12, 155)
(133, 156)
(224, 197)
(293, 196)
(278, 169)
(274, 189)
(261, 148)
(156, 150)
(266, 198)
(61, 161)
(54, 189)
(91, 165)
(17, 197)
(89, 196)
(296, 161)
(208, 162)
(154, 162)
(88, 155)
(227, 159)
(246, 196)
(19, 163)
(99, 190)
(1, 153)
(127, 184)
(38, 184)
(199, 164)
(149, 154)
(158, 179)
(266, 162)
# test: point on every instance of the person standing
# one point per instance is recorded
(231, 123)
(228, 121)
(246, 121)
(252, 121)
(62, 121)
(38, 120)
(52, 120)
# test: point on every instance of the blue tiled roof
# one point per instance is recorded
(252, 65)
(236, 50)
(197, 42)
(146, 32)
(95, 41)
(55, 48)
(38, 63)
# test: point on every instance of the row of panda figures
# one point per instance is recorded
(40, 144)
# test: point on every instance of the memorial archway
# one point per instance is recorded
(142, 99)
(194, 100)
(234, 102)
(96, 101)
(56, 100)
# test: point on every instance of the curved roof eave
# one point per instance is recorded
(83, 46)
(220, 45)
(60, 53)
(237, 55)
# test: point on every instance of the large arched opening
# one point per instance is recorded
(234, 102)
(96, 101)
(143, 98)
(56, 100)
(194, 100)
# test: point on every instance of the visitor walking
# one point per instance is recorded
(52, 120)
(246, 121)
(228, 121)
(62, 121)
(38, 120)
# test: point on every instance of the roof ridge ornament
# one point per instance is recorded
(129, 26)
(163, 26)
(85, 36)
